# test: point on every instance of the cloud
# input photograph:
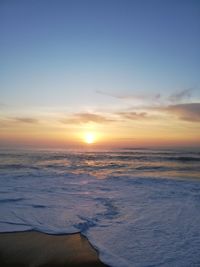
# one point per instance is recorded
(86, 118)
(131, 96)
(133, 115)
(25, 120)
(9, 122)
(182, 95)
(187, 112)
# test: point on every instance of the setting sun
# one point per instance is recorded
(89, 138)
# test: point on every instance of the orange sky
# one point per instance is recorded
(174, 125)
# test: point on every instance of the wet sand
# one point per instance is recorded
(35, 249)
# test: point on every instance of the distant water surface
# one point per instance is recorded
(171, 164)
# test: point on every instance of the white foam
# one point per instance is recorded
(131, 221)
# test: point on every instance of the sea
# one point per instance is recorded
(137, 207)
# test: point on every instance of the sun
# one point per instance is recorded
(89, 138)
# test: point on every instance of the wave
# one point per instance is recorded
(153, 168)
(184, 158)
(9, 200)
(17, 166)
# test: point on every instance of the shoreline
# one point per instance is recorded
(36, 249)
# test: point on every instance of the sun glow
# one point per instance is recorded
(89, 138)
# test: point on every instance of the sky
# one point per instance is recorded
(127, 72)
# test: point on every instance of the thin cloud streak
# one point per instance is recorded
(86, 118)
(25, 120)
(132, 115)
(131, 96)
(13, 121)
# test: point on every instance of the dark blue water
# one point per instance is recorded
(172, 164)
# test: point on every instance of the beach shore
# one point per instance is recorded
(35, 249)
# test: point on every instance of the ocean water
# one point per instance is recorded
(138, 207)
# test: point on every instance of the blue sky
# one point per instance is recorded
(93, 57)
(53, 51)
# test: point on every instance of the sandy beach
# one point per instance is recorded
(35, 249)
